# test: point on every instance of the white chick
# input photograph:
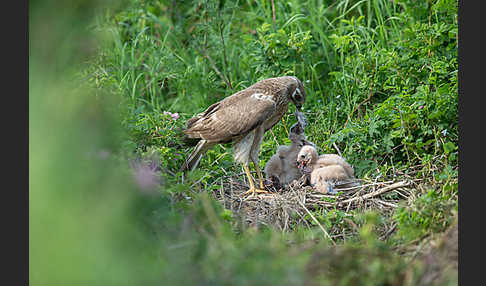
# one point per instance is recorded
(325, 170)
(324, 178)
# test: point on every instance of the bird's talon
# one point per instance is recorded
(254, 191)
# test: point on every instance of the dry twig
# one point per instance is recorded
(379, 192)
(314, 219)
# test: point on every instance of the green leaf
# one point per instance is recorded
(449, 147)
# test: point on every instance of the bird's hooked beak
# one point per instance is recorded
(298, 97)
(304, 161)
(302, 164)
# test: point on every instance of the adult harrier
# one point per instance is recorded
(243, 118)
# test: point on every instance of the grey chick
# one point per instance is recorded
(282, 167)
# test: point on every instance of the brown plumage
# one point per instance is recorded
(324, 170)
(282, 167)
(243, 118)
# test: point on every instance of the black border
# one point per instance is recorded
(15, 142)
(470, 46)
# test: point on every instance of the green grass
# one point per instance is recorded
(365, 66)
(381, 79)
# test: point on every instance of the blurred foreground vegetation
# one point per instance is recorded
(381, 79)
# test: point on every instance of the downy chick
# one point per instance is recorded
(308, 160)
(324, 170)
(282, 167)
(324, 178)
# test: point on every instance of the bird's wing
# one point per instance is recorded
(234, 117)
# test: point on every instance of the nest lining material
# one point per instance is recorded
(289, 206)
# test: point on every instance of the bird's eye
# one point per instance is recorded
(302, 156)
(297, 95)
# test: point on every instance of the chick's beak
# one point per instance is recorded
(302, 164)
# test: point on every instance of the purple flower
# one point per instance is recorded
(421, 107)
(174, 116)
(146, 175)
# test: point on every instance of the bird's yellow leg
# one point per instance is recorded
(252, 189)
(260, 176)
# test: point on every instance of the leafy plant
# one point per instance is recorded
(430, 213)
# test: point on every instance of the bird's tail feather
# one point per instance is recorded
(193, 159)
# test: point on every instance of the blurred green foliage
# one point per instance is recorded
(381, 78)
(80, 219)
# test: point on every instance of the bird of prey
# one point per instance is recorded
(243, 118)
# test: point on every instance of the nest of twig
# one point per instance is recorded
(292, 205)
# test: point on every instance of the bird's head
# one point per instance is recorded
(306, 155)
(297, 135)
(297, 129)
(297, 92)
